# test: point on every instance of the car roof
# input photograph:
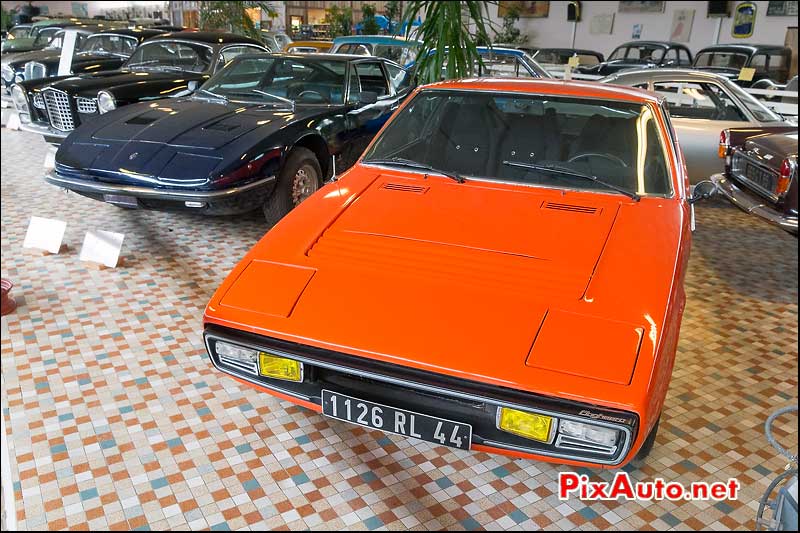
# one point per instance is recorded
(663, 74)
(142, 33)
(554, 87)
(570, 50)
(663, 44)
(209, 37)
(743, 47)
(501, 51)
(374, 39)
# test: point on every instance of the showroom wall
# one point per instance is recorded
(93, 7)
(556, 31)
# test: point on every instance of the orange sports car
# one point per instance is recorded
(501, 271)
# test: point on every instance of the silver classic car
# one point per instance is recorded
(702, 104)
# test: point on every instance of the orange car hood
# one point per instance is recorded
(483, 281)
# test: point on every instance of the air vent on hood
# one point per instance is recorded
(570, 207)
(219, 126)
(404, 188)
(141, 120)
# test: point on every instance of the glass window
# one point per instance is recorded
(371, 78)
(171, 55)
(759, 62)
(356, 49)
(671, 56)
(44, 36)
(778, 67)
(104, 44)
(266, 79)
(399, 79)
(230, 53)
(720, 60)
(399, 54)
(759, 110)
(643, 52)
(514, 137)
(699, 101)
(683, 57)
(18, 32)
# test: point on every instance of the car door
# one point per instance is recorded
(700, 111)
(368, 80)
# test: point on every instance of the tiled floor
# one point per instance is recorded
(117, 420)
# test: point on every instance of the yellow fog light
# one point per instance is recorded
(528, 425)
(272, 366)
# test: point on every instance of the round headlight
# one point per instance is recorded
(8, 73)
(105, 102)
(20, 101)
(18, 78)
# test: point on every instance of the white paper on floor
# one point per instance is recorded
(102, 247)
(45, 234)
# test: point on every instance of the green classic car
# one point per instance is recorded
(40, 33)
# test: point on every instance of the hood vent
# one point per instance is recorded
(141, 120)
(219, 126)
(571, 208)
(404, 188)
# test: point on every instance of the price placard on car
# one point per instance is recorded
(397, 421)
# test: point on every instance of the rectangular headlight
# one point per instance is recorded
(529, 425)
(272, 366)
(590, 433)
(236, 353)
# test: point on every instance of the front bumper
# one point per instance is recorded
(450, 398)
(223, 202)
(753, 204)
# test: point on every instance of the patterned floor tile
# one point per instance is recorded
(116, 419)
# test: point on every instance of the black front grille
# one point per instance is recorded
(59, 109)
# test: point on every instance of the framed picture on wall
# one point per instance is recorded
(782, 9)
(526, 9)
(626, 6)
(744, 20)
(682, 20)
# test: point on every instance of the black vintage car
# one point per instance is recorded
(262, 133)
(641, 54)
(95, 51)
(771, 63)
(761, 174)
(167, 65)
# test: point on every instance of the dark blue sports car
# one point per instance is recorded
(261, 133)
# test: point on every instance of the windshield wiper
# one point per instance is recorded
(212, 95)
(401, 161)
(567, 172)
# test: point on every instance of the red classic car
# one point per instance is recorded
(501, 271)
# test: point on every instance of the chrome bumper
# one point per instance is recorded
(47, 131)
(146, 192)
(753, 204)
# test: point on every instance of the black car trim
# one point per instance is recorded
(146, 192)
(444, 386)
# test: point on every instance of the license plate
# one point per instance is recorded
(397, 421)
(760, 177)
(124, 201)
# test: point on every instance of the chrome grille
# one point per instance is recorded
(59, 110)
(86, 105)
(38, 101)
(762, 179)
(34, 70)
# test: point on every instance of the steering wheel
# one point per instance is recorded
(610, 157)
(308, 91)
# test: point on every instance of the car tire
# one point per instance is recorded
(647, 447)
(300, 177)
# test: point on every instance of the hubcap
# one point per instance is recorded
(305, 184)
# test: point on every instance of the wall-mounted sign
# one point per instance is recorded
(744, 20)
(600, 24)
(525, 9)
(782, 9)
(633, 6)
(637, 31)
(682, 20)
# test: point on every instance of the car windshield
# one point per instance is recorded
(105, 44)
(759, 110)
(399, 54)
(640, 51)
(172, 55)
(44, 35)
(720, 60)
(261, 78)
(530, 139)
(19, 32)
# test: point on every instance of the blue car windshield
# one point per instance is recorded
(265, 79)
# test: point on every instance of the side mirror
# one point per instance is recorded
(193, 85)
(703, 191)
(367, 97)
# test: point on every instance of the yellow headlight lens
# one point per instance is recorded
(272, 366)
(528, 425)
